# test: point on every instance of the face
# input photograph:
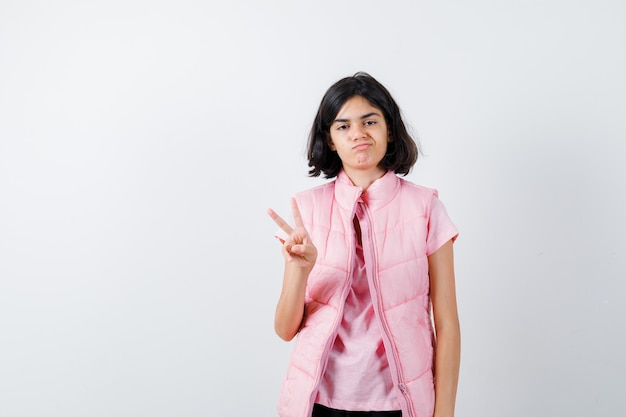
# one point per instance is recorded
(359, 136)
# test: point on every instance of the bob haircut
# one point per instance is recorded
(402, 151)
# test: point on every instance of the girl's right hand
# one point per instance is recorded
(297, 247)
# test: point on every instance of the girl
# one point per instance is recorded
(368, 257)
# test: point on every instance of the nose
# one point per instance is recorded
(357, 131)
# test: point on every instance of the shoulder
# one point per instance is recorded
(315, 197)
(410, 188)
(316, 192)
(427, 198)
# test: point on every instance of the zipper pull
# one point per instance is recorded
(402, 388)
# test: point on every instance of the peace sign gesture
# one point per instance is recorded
(297, 247)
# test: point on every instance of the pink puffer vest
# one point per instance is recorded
(397, 252)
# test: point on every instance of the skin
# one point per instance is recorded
(359, 135)
(300, 255)
(447, 329)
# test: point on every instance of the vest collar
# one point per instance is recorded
(377, 195)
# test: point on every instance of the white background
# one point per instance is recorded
(141, 143)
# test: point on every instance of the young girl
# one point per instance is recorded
(368, 257)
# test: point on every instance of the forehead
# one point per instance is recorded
(357, 106)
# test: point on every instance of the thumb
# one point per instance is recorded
(299, 249)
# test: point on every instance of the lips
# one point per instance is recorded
(361, 146)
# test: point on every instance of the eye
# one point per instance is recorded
(369, 123)
(342, 127)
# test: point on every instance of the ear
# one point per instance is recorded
(330, 143)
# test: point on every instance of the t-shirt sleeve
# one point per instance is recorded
(440, 227)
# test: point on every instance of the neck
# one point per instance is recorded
(364, 179)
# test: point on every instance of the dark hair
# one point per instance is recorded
(402, 151)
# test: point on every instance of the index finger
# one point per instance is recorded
(297, 217)
(280, 221)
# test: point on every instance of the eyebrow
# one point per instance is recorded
(365, 116)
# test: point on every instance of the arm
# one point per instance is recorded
(447, 329)
(300, 255)
(290, 306)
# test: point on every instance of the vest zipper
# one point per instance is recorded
(379, 310)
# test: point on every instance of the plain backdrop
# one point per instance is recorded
(141, 143)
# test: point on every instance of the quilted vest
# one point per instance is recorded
(396, 258)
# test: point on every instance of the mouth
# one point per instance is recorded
(361, 146)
